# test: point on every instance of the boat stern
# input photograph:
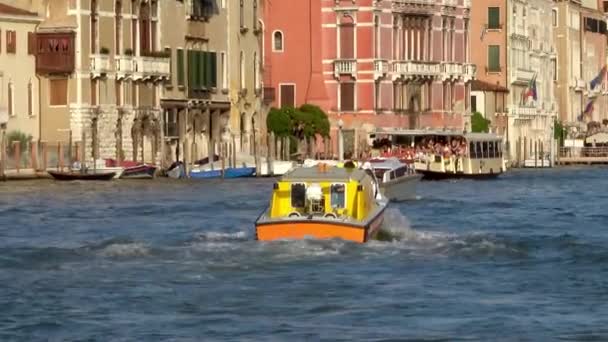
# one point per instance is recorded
(308, 229)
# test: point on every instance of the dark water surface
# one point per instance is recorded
(524, 257)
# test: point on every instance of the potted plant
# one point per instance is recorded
(128, 52)
(104, 50)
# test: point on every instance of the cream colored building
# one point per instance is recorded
(245, 34)
(101, 69)
(214, 94)
(580, 38)
(531, 55)
(18, 83)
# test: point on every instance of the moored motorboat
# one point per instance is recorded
(323, 202)
(143, 171)
(230, 172)
(397, 180)
(77, 175)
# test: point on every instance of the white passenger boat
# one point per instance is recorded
(398, 181)
(450, 154)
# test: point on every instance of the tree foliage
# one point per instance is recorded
(479, 124)
(19, 136)
(279, 122)
(301, 123)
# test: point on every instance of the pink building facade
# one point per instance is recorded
(372, 63)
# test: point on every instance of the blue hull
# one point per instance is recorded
(228, 173)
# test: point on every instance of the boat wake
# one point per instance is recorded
(398, 235)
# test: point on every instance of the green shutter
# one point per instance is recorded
(213, 72)
(493, 58)
(200, 77)
(180, 67)
(493, 17)
(206, 69)
(192, 71)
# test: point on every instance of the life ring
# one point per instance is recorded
(294, 214)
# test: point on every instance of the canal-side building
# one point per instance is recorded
(516, 53)
(391, 63)
(580, 38)
(102, 70)
(215, 90)
(18, 83)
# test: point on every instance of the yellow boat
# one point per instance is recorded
(323, 202)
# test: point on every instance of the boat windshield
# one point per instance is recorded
(338, 196)
(380, 173)
(298, 195)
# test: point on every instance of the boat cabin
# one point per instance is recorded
(447, 152)
(323, 191)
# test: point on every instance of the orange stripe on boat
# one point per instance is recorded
(293, 230)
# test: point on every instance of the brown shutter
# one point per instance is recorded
(347, 41)
(94, 92)
(288, 95)
(117, 92)
(347, 96)
(31, 43)
(59, 92)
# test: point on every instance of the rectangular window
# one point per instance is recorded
(554, 68)
(180, 67)
(30, 99)
(242, 13)
(11, 41)
(347, 41)
(58, 89)
(338, 196)
(494, 18)
(169, 53)
(224, 71)
(11, 111)
(554, 17)
(298, 195)
(377, 95)
(94, 100)
(347, 97)
(288, 98)
(473, 103)
(494, 58)
(212, 68)
(118, 92)
(192, 70)
(171, 127)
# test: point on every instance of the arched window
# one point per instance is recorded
(93, 26)
(277, 38)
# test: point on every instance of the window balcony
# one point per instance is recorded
(521, 76)
(100, 65)
(124, 67)
(470, 72)
(151, 68)
(451, 71)
(55, 53)
(521, 111)
(421, 7)
(415, 70)
(579, 84)
(380, 68)
(345, 67)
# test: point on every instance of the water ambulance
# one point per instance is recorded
(323, 202)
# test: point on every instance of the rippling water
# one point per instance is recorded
(524, 257)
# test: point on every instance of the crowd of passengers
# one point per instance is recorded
(456, 147)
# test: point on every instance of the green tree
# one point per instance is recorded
(279, 122)
(317, 119)
(479, 124)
